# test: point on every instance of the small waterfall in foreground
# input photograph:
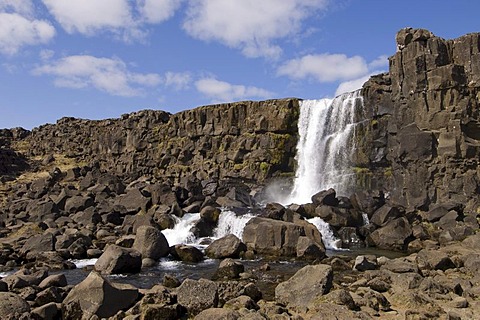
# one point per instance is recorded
(329, 240)
(181, 234)
(228, 223)
(326, 143)
(231, 223)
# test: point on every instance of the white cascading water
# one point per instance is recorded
(329, 240)
(181, 234)
(228, 223)
(326, 142)
(231, 223)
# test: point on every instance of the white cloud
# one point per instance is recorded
(250, 25)
(324, 67)
(221, 91)
(46, 54)
(355, 84)
(17, 31)
(108, 75)
(177, 80)
(380, 62)
(89, 16)
(156, 11)
(125, 19)
(351, 85)
(22, 7)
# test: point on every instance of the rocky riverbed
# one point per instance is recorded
(87, 213)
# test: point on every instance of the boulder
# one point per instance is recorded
(229, 269)
(131, 223)
(241, 302)
(197, 295)
(55, 280)
(210, 214)
(186, 253)
(278, 238)
(305, 286)
(49, 311)
(309, 250)
(339, 217)
(48, 295)
(12, 305)
(364, 263)
(39, 210)
(385, 214)
(161, 311)
(229, 246)
(39, 243)
(134, 201)
(96, 296)
(218, 314)
(116, 259)
(78, 203)
(393, 236)
(151, 243)
(325, 197)
(25, 278)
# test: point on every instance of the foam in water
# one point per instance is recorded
(326, 142)
(231, 223)
(181, 234)
(329, 240)
(82, 263)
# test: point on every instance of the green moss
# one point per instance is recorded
(361, 170)
(238, 166)
(388, 172)
(363, 177)
(264, 167)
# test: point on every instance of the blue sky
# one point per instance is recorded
(99, 59)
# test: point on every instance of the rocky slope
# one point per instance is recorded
(249, 141)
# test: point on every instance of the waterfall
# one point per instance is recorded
(231, 223)
(228, 223)
(181, 234)
(329, 240)
(326, 143)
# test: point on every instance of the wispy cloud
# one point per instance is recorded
(110, 75)
(351, 85)
(177, 80)
(125, 19)
(324, 67)
(249, 25)
(156, 11)
(18, 27)
(380, 63)
(376, 66)
(221, 91)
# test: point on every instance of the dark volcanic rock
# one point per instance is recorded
(393, 236)
(197, 295)
(278, 238)
(116, 259)
(326, 197)
(229, 246)
(97, 296)
(151, 243)
(186, 253)
(305, 285)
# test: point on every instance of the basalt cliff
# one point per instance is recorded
(420, 145)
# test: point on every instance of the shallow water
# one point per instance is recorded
(148, 277)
